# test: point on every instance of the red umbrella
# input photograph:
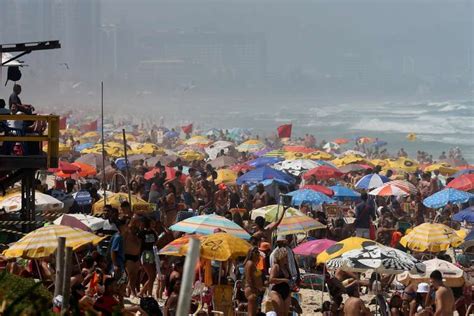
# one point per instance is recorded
(341, 141)
(463, 183)
(241, 167)
(323, 172)
(298, 149)
(171, 174)
(65, 167)
(151, 174)
(319, 188)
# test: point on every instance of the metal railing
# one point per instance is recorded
(51, 137)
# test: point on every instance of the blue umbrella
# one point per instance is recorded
(371, 181)
(171, 134)
(84, 146)
(443, 197)
(466, 214)
(342, 193)
(263, 161)
(306, 196)
(461, 172)
(120, 163)
(82, 198)
(263, 173)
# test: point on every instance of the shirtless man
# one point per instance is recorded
(132, 249)
(354, 306)
(444, 298)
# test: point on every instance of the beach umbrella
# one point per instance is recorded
(129, 137)
(262, 152)
(313, 247)
(319, 188)
(145, 149)
(298, 224)
(447, 196)
(341, 141)
(365, 140)
(81, 221)
(42, 242)
(462, 172)
(404, 185)
(298, 149)
(138, 205)
(376, 258)
(469, 240)
(275, 153)
(380, 162)
(82, 198)
(442, 167)
(342, 193)
(241, 167)
(294, 155)
(466, 215)
(198, 140)
(464, 183)
(190, 155)
(65, 167)
(453, 276)
(403, 164)
(343, 246)
(164, 160)
(175, 248)
(431, 237)
(371, 181)
(389, 190)
(319, 155)
(350, 159)
(352, 152)
(311, 197)
(83, 146)
(43, 202)
(152, 173)
(223, 161)
(86, 170)
(352, 168)
(208, 224)
(263, 173)
(221, 247)
(270, 212)
(330, 146)
(296, 167)
(225, 176)
(263, 161)
(171, 134)
(94, 160)
(323, 172)
(251, 145)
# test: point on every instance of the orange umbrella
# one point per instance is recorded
(341, 141)
(298, 149)
(86, 170)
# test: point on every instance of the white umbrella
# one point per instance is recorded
(296, 167)
(452, 275)
(91, 222)
(353, 152)
(43, 202)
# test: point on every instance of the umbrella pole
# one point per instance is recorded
(104, 181)
(324, 283)
(127, 168)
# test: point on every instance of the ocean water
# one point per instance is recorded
(439, 125)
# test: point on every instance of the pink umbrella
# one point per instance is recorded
(313, 247)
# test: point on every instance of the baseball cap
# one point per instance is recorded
(423, 288)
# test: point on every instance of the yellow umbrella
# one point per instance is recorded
(319, 155)
(343, 246)
(431, 237)
(70, 131)
(226, 176)
(411, 137)
(112, 151)
(128, 137)
(198, 140)
(92, 134)
(380, 162)
(145, 149)
(291, 155)
(174, 248)
(443, 168)
(43, 242)
(251, 145)
(116, 199)
(191, 155)
(403, 164)
(221, 247)
(346, 160)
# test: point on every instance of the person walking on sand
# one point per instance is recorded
(444, 298)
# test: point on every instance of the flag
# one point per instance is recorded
(284, 131)
(187, 129)
(62, 122)
(92, 126)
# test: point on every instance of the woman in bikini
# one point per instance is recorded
(280, 279)
(253, 280)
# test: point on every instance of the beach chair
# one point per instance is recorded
(222, 300)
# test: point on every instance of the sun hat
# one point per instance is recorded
(423, 288)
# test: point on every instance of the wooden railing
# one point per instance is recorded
(51, 137)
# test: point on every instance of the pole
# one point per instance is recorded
(104, 181)
(67, 280)
(184, 300)
(128, 169)
(58, 281)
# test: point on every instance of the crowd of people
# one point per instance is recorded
(127, 273)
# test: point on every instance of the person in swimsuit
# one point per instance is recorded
(132, 247)
(252, 279)
(148, 238)
(280, 280)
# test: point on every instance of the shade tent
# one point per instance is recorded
(264, 173)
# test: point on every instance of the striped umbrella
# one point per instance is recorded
(208, 224)
(431, 237)
(371, 181)
(252, 145)
(298, 224)
(174, 248)
(43, 242)
(388, 190)
(272, 212)
(404, 185)
(275, 153)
